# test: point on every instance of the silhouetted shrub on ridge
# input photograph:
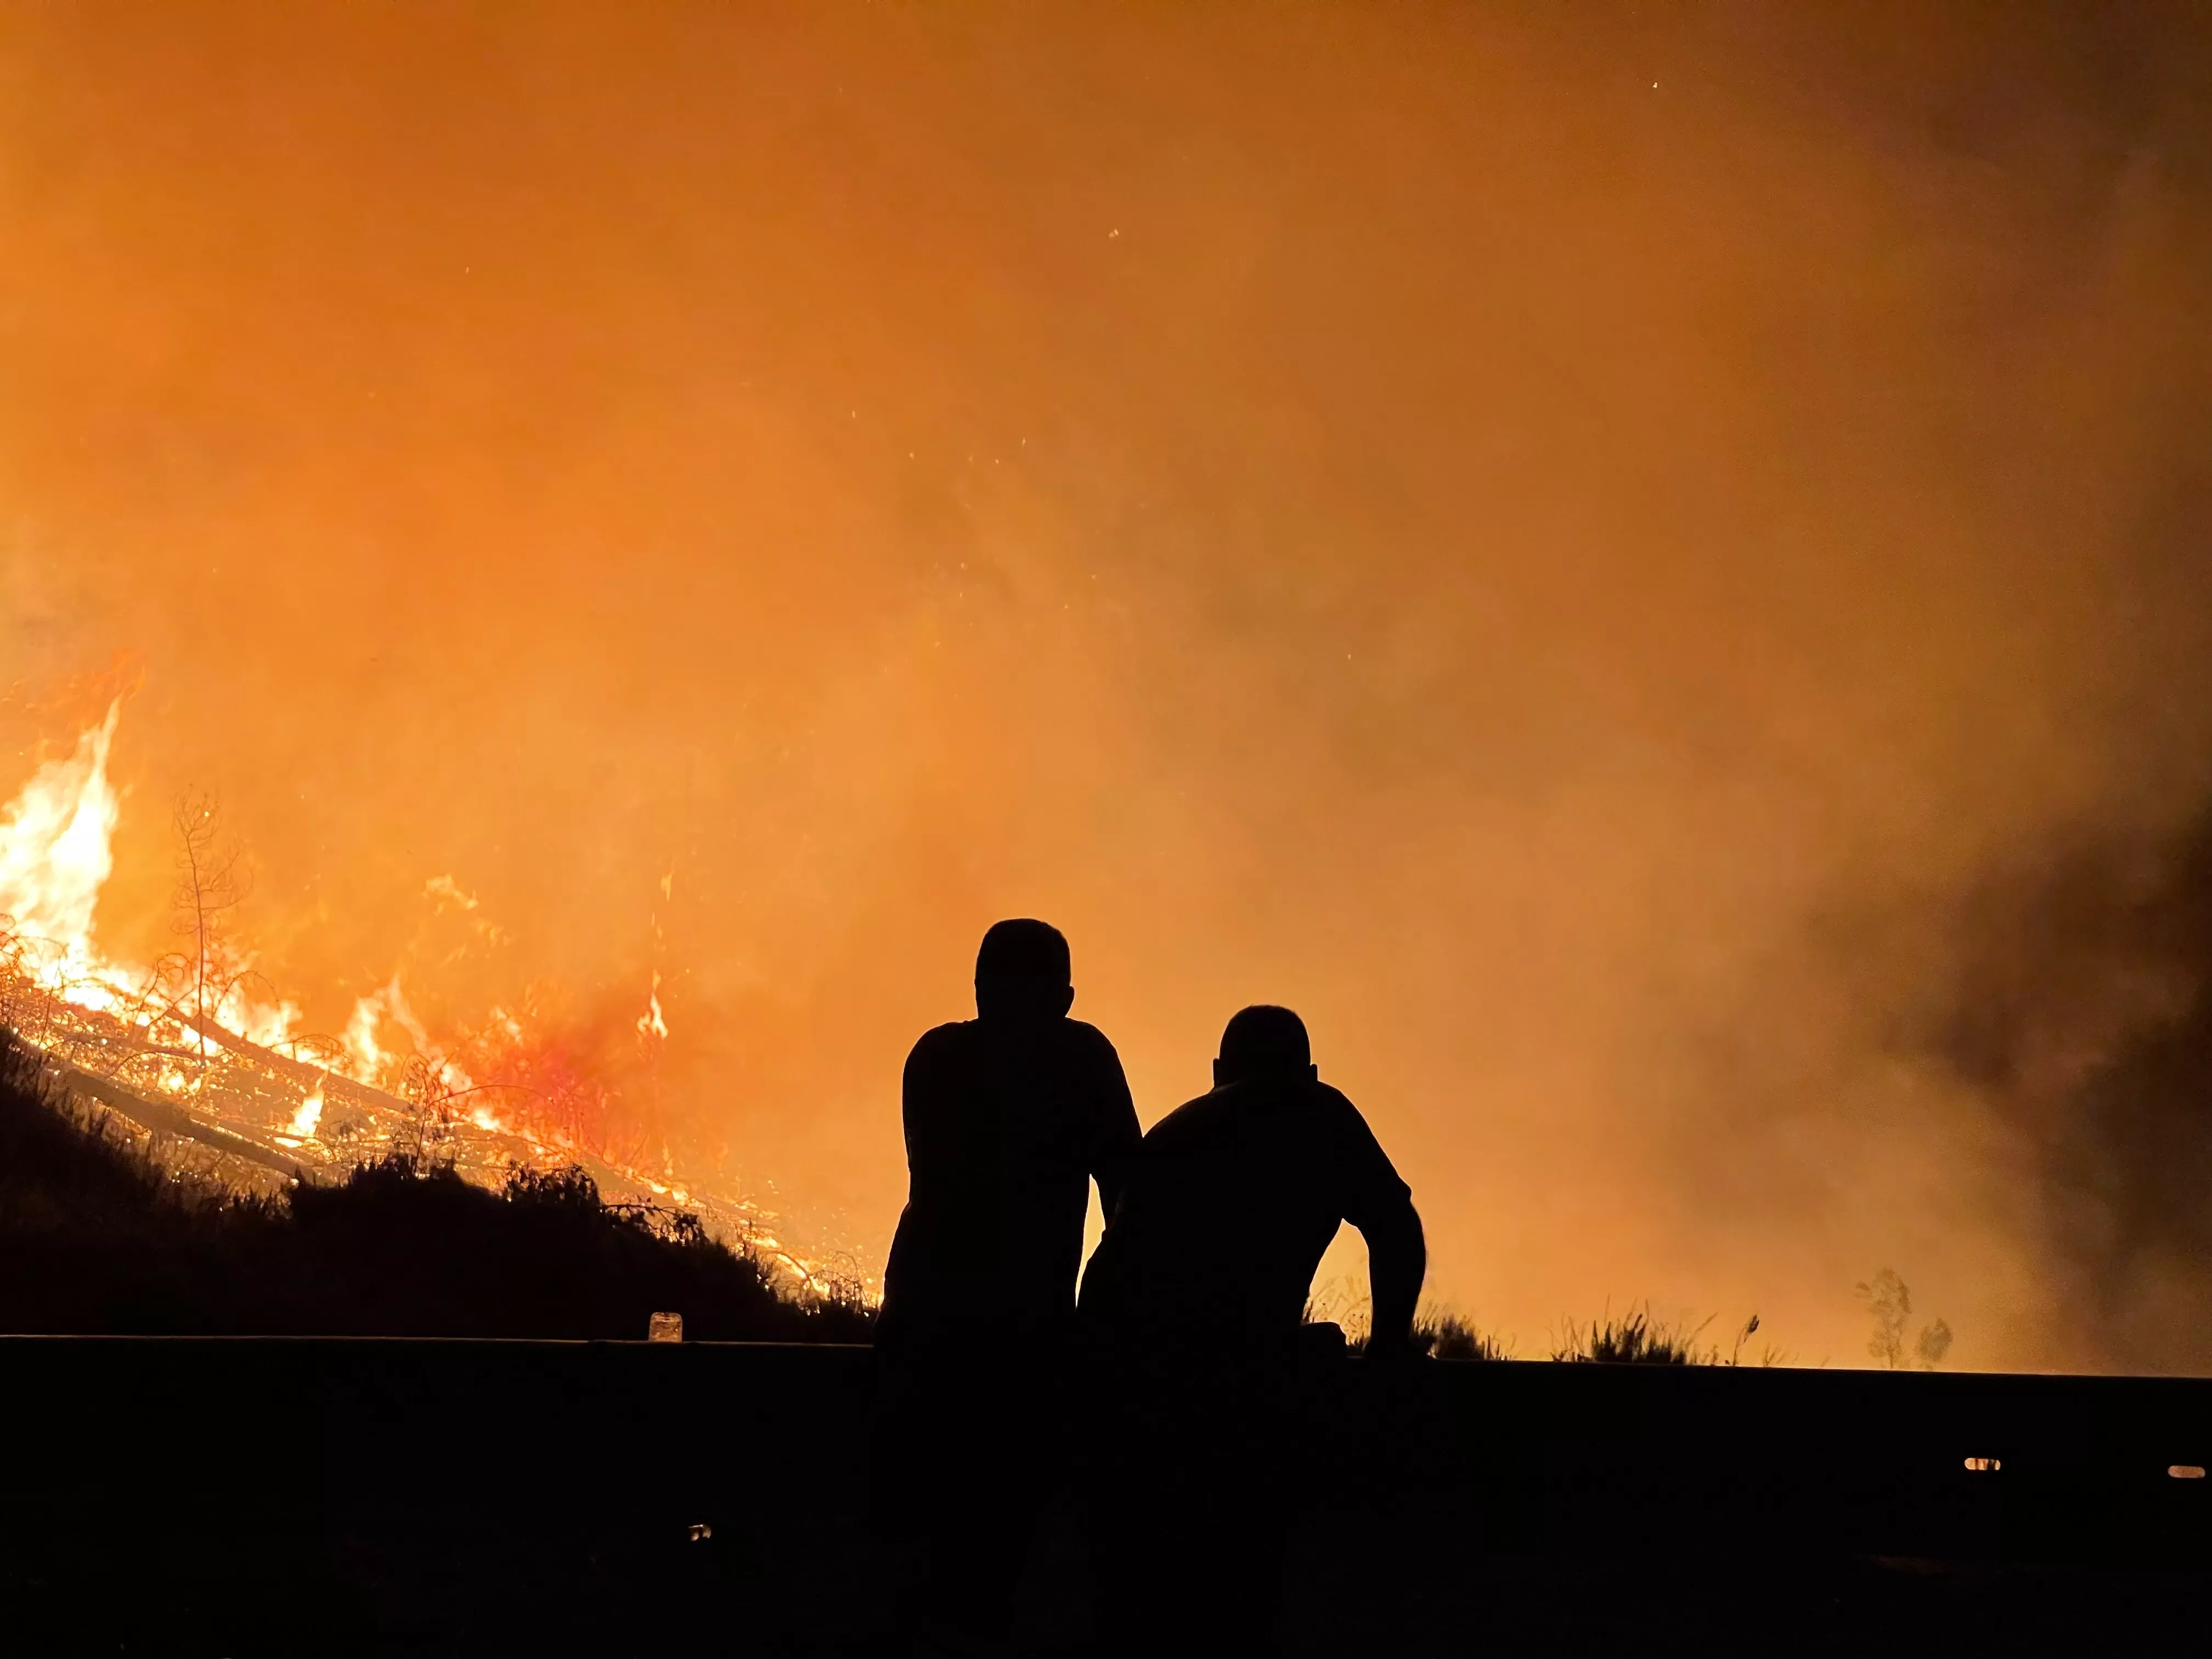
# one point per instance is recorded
(1636, 1339)
(1443, 1335)
(95, 1238)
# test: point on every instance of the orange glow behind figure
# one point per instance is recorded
(1625, 566)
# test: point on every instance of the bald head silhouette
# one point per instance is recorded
(1022, 972)
(1264, 1043)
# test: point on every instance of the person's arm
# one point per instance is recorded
(1380, 1204)
(1114, 1134)
(1397, 1261)
(913, 1249)
(924, 1092)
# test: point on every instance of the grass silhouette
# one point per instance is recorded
(1443, 1334)
(1635, 1338)
(96, 1238)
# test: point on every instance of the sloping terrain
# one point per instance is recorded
(97, 1237)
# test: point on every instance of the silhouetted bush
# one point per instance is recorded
(1634, 1339)
(96, 1238)
(1443, 1335)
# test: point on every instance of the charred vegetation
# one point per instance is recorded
(99, 1238)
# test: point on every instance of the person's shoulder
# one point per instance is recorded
(1331, 1110)
(1330, 1098)
(1190, 1116)
(940, 1042)
(1354, 1148)
(1088, 1044)
(1273, 1097)
(1083, 1034)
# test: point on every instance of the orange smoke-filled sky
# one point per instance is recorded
(1550, 539)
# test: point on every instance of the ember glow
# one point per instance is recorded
(233, 1059)
(1621, 560)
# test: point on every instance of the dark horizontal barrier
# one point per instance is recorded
(236, 1495)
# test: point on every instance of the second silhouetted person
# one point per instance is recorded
(1192, 1303)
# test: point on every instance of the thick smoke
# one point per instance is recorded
(1646, 569)
(2081, 1008)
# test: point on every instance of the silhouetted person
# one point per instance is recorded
(1191, 1306)
(1009, 1118)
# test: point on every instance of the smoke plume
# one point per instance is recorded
(1645, 569)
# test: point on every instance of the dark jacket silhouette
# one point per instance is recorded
(1009, 1118)
(1008, 1121)
(1191, 1311)
(1234, 1199)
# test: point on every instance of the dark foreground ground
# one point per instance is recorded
(247, 1496)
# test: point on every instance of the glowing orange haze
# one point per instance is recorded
(1543, 544)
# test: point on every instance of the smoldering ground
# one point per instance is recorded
(1618, 560)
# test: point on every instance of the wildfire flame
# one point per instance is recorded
(650, 1023)
(310, 1115)
(54, 853)
(511, 1092)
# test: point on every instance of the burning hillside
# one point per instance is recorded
(198, 1048)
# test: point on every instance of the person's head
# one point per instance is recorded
(1022, 972)
(1264, 1043)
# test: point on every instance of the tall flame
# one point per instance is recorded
(309, 1116)
(54, 854)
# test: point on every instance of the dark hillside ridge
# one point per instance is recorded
(97, 1239)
